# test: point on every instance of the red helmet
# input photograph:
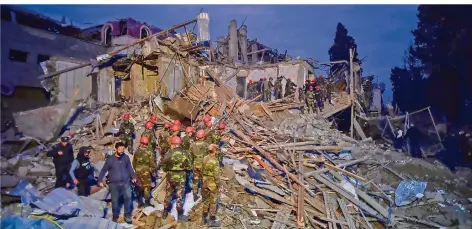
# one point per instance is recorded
(207, 118)
(153, 118)
(149, 125)
(144, 140)
(317, 87)
(208, 124)
(250, 81)
(177, 122)
(167, 125)
(271, 78)
(307, 80)
(189, 129)
(175, 128)
(221, 126)
(201, 134)
(310, 88)
(126, 116)
(175, 140)
(261, 79)
(313, 80)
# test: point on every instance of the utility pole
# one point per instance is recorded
(351, 89)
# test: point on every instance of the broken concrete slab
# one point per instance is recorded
(46, 117)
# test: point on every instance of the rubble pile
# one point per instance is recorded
(282, 169)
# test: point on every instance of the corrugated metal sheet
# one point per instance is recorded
(68, 81)
(105, 82)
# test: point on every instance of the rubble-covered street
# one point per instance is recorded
(283, 166)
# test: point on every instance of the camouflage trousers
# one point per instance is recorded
(143, 178)
(128, 141)
(175, 183)
(310, 105)
(266, 96)
(197, 177)
(210, 194)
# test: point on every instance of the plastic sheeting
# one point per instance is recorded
(15, 222)
(64, 202)
(26, 191)
(89, 223)
(408, 190)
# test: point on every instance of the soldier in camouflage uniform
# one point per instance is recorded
(265, 90)
(289, 87)
(198, 150)
(188, 139)
(176, 163)
(164, 134)
(198, 124)
(301, 98)
(145, 165)
(149, 133)
(278, 87)
(126, 132)
(318, 98)
(310, 100)
(211, 186)
(249, 90)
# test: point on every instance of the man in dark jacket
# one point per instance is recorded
(63, 155)
(414, 136)
(82, 171)
(120, 172)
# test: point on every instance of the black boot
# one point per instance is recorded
(182, 217)
(204, 218)
(214, 222)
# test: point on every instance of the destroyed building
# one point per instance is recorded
(282, 168)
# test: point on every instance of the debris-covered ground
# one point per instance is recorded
(282, 169)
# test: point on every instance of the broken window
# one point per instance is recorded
(107, 34)
(42, 58)
(18, 56)
(123, 27)
(144, 33)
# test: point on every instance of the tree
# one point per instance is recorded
(438, 63)
(340, 49)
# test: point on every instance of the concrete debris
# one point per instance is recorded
(283, 167)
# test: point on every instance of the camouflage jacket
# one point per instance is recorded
(152, 139)
(290, 87)
(310, 95)
(213, 137)
(211, 171)
(278, 85)
(176, 160)
(164, 145)
(198, 150)
(126, 130)
(143, 160)
(186, 142)
(265, 85)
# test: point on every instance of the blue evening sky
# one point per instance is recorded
(382, 32)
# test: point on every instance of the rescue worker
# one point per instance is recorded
(271, 87)
(211, 186)
(179, 124)
(310, 100)
(82, 171)
(188, 139)
(149, 133)
(198, 124)
(265, 90)
(301, 98)
(249, 89)
(198, 150)
(126, 132)
(209, 132)
(307, 85)
(290, 87)
(278, 88)
(63, 156)
(318, 96)
(164, 144)
(145, 166)
(176, 163)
